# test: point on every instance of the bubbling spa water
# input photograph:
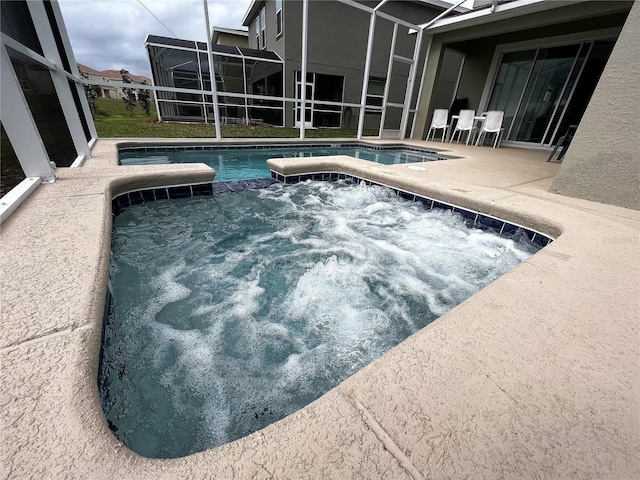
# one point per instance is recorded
(233, 311)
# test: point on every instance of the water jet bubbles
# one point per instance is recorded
(268, 299)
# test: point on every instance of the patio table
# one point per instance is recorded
(478, 119)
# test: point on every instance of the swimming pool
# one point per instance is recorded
(231, 311)
(235, 163)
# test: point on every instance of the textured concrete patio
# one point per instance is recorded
(536, 376)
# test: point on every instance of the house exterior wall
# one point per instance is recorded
(337, 44)
(609, 171)
(479, 43)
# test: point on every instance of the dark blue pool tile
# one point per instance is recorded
(509, 229)
(147, 195)
(442, 206)
(489, 222)
(467, 214)
(202, 189)
(161, 193)
(179, 192)
(426, 202)
(531, 235)
(261, 182)
(135, 198)
(236, 186)
(221, 187)
(255, 183)
(541, 240)
(115, 209)
(407, 196)
(123, 201)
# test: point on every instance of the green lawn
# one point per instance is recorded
(113, 120)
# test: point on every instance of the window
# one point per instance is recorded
(258, 31)
(12, 173)
(44, 103)
(278, 17)
(375, 95)
(263, 27)
(17, 24)
(321, 88)
(536, 89)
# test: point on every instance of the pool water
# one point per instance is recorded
(232, 311)
(245, 163)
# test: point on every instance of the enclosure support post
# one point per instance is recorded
(212, 73)
(303, 73)
(367, 68)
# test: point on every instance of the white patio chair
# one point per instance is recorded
(492, 124)
(440, 121)
(466, 123)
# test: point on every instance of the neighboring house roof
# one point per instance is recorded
(114, 74)
(85, 69)
(232, 31)
(230, 36)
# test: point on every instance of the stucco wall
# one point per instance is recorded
(603, 162)
(478, 44)
(337, 45)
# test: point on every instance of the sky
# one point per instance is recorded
(110, 34)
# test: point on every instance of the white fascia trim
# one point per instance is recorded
(17, 195)
(503, 11)
(250, 9)
(233, 31)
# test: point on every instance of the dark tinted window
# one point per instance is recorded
(17, 23)
(44, 104)
(11, 173)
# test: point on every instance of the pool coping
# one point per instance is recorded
(524, 379)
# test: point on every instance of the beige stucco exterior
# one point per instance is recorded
(603, 163)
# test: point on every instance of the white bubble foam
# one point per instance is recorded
(239, 333)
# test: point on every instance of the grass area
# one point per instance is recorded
(113, 120)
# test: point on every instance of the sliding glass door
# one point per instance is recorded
(535, 89)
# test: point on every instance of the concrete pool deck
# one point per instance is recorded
(536, 376)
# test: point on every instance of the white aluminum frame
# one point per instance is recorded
(303, 69)
(17, 118)
(212, 74)
(60, 82)
(20, 126)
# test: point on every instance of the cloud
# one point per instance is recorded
(110, 34)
